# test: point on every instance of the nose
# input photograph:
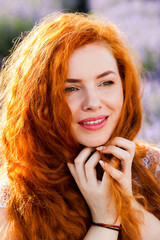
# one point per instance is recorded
(91, 101)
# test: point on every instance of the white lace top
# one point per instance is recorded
(151, 161)
(4, 194)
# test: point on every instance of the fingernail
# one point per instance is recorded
(104, 164)
(100, 148)
(101, 162)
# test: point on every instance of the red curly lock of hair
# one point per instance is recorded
(45, 202)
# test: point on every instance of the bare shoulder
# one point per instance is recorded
(3, 216)
(3, 222)
(4, 197)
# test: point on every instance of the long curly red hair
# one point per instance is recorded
(45, 202)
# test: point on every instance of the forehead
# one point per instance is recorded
(93, 58)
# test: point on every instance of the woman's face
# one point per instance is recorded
(94, 94)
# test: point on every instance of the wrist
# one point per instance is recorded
(108, 216)
(112, 227)
(107, 220)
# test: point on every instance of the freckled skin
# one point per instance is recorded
(91, 96)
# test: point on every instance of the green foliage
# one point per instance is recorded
(10, 30)
(149, 62)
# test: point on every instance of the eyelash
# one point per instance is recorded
(72, 89)
(106, 83)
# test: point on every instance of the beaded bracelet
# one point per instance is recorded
(112, 227)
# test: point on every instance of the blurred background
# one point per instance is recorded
(138, 19)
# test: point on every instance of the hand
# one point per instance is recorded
(124, 150)
(98, 193)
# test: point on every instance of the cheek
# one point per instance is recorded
(119, 98)
(114, 100)
(119, 101)
(73, 104)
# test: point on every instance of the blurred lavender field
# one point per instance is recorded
(150, 130)
(33, 9)
(138, 19)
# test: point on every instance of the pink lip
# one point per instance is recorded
(94, 126)
(93, 118)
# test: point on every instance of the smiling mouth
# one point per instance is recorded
(93, 122)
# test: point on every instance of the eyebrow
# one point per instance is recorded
(72, 80)
(105, 74)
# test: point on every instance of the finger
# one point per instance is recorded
(121, 154)
(104, 182)
(79, 163)
(124, 182)
(90, 169)
(119, 177)
(125, 152)
(114, 173)
(121, 143)
(124, 144)
(72, 170)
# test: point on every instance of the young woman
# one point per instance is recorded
(71, 112)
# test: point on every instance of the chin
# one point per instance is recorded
(94, 143)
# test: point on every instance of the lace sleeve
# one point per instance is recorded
(152, 162)
(4, 194)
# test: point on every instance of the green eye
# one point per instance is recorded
(70, 89)
(106, 83)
